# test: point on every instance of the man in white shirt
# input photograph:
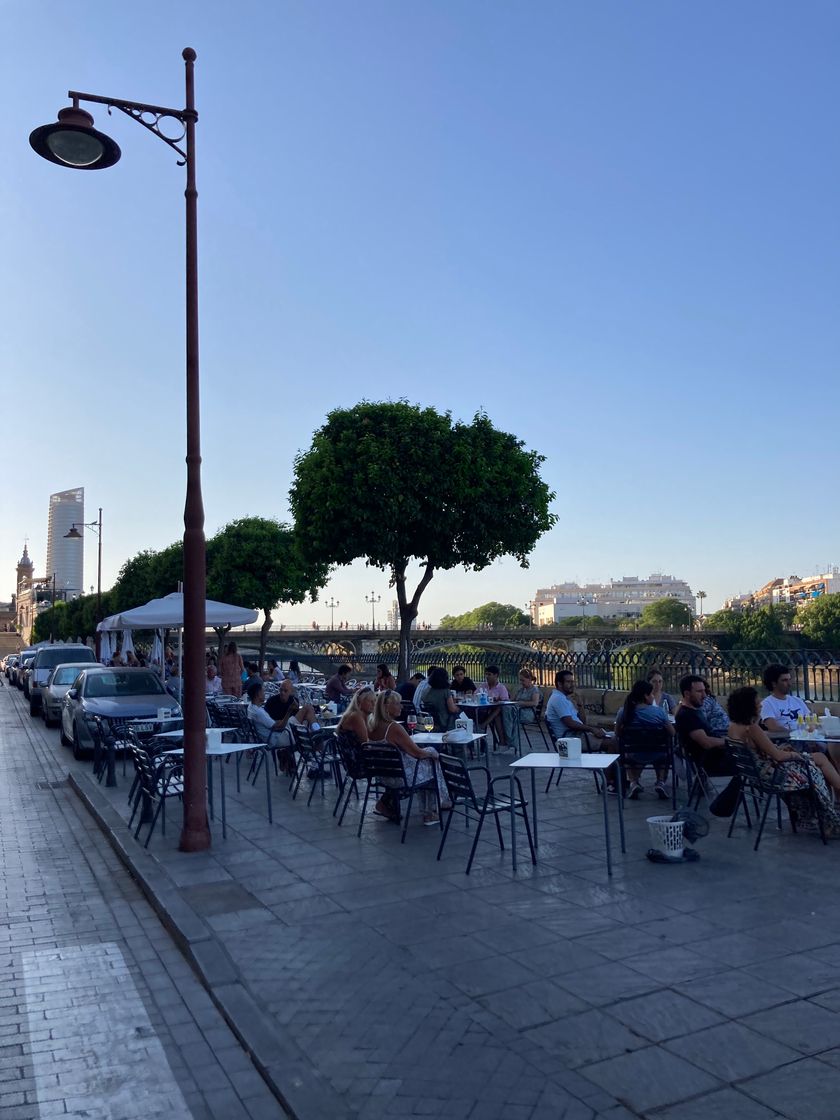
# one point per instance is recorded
(780, 710)
(213, 684)
(275, 732)
(422, 688)
(561, 713)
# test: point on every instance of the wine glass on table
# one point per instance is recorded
(411, 722)
(428, 721)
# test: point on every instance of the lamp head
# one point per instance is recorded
(73, 534)
(74, 142)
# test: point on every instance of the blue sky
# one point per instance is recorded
(614, 226)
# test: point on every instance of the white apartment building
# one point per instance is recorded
(620, 598)
(66, 558)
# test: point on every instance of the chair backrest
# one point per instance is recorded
(304, 739)
(457, 778)
(350, 752)
(746, 764)
(407, 709)
(643, 739)
(382, 760)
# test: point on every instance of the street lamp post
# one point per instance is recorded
(74, 142)
(582, 605)
(332, 604)
(75, 535)
(373, 601)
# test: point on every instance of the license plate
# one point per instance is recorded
(144, 726)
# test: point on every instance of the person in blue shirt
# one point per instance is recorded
(647, 724)
(562, 714)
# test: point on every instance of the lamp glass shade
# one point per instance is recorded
(73, 534)
(76, 147)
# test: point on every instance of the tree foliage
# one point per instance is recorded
(820, 619)
(665, 613)
(754, 628)
(496, 616)
(392, 483)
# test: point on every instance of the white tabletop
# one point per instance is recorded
(154, 719)
(435, 739)
(180, 734)
(221, 749)
(543, 760)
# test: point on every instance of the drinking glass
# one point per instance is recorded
(411, 722)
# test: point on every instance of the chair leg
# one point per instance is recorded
(738, 804)
(499, 832)
(340, 787)
(364, 809)
(154, 822)
(768, 798)
(479, 826)
(351, 789)
(528, 830)
(407, 815)
(446, 828)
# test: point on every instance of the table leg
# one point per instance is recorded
(210, 785)
(111, 779)
(222, 761)
(267, 787)
(534, 804)
(605, 796)
(512, 825)
(620, 789)
(238, 758)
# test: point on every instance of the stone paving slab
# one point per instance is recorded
(664, 992)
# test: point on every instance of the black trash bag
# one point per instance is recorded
(695, 826)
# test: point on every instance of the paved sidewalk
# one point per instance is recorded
(100, 1015)
(669, 993)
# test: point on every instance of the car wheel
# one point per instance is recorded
(78, 753)
(33, 708)
(47, 720)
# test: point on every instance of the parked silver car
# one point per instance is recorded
(58, 684)
(27, 656)
(11, 662)
(111, 694)
(46, 660)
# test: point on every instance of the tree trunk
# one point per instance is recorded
(220, 634)
(408, 613)
(264, 629)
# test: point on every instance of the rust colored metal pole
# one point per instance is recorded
(195, 834)
(98, 638)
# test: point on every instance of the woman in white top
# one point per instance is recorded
(661, 699)
(383, 727)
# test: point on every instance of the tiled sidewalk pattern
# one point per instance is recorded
(100, 1016)
(670, 993)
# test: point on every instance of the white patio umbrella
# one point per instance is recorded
(127, 642)
(106, 649)
(157, 651)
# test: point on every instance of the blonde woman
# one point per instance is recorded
(383, 726)
(356, 715)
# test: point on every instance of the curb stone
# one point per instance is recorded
(286, 1069)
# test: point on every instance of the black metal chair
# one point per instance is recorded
(536, 725)
(654, 743)
(315, 756)
(587, 748)
(457, 776)
(349, 751)
(765, 791)
(384, 771)
(157, 780)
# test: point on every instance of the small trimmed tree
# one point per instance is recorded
(498, 616)
(393, 483)
(664, 613)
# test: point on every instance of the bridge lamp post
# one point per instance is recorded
(582, 605)
(373, 601)
(332, 604)
(74, 142)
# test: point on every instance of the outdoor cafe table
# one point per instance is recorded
(543, 760)
(435, 739)
(222, 751)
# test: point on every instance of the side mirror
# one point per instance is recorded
(72, 694)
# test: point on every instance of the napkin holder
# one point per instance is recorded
(464, 723)
(569, 748)
(214, 736)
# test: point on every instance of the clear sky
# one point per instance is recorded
(613, 225)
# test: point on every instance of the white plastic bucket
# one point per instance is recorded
(667, 836)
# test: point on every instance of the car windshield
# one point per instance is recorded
(66, 675)
(49, 658)
(123, 684)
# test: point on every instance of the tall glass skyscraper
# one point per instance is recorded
(66, 558)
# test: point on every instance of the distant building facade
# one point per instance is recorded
(33, 594)
(66, 558)
(788, 589)
(623, 598)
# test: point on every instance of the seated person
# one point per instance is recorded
(275, 729)
(493, 718)
(384, 679)
(336, 690)
(418, 762)
(175, 685)
(562, 714)
(744, 729)
(780, 711)
(661, 698)
(294, 674)
(460, 681)
(354, 722)
(422, 687)
(714, 715)
(253, 671)
(527, 696)
(409, 687)
(695, 735)
(641, 717)
(213, 684)
(438, 701)
(275, 673)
